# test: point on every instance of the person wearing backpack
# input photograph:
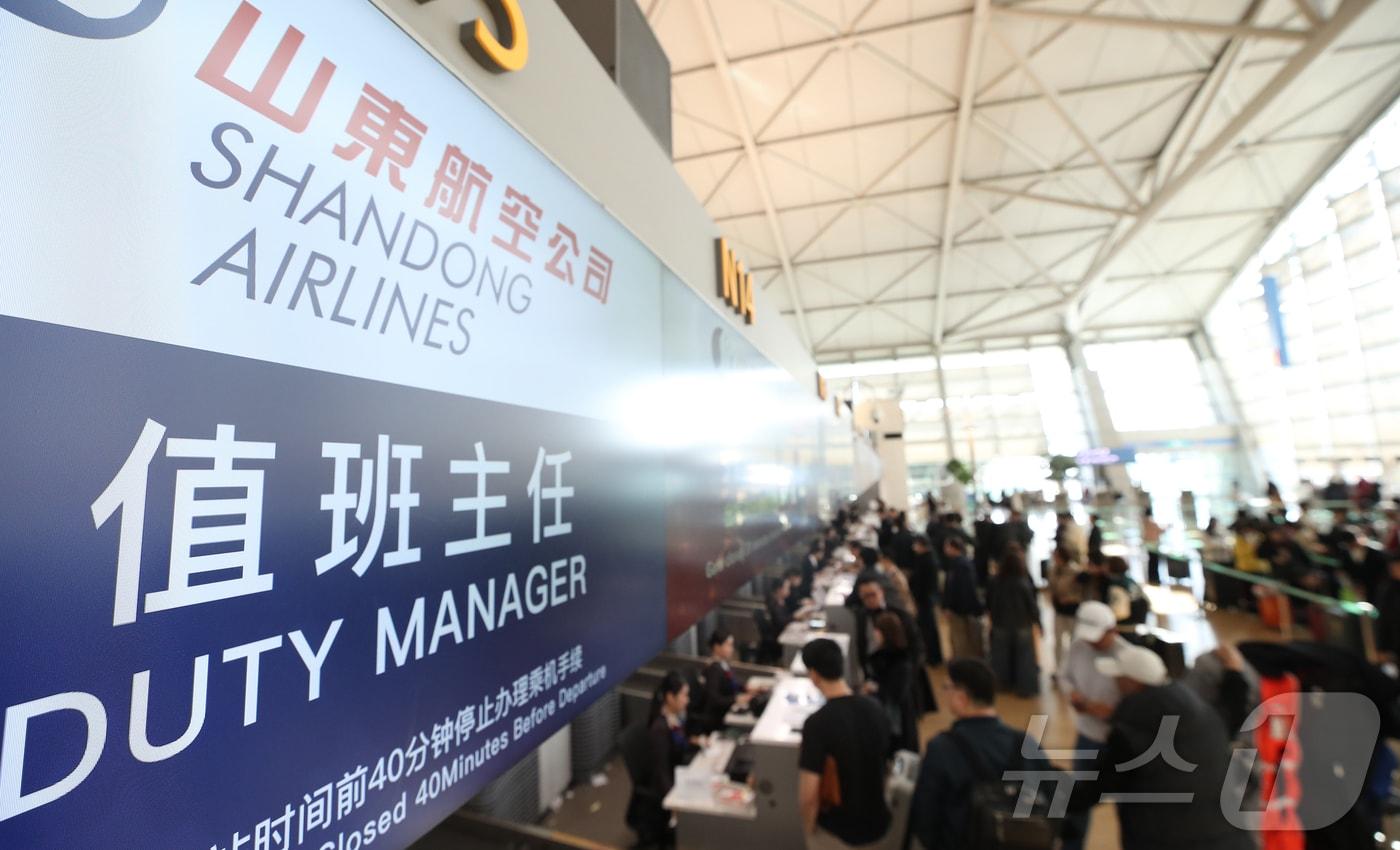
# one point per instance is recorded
(964, 765)
(1167, 758)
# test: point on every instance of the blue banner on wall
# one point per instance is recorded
(1272, 306)
(287, 603)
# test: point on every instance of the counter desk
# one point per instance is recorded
(772, 820)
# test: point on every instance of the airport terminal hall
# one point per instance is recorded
(700, 425)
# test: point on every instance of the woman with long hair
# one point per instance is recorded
(891, 679)
(1014, 613)
(667, 747)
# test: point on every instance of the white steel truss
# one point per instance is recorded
(928, 218)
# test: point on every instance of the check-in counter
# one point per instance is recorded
(773, 821)
(711, 812)
(797, 635)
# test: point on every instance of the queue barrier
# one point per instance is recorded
(1364, 613)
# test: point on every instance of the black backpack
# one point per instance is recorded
(991, 807)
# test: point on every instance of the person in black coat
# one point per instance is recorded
(779, 615)
(1095, 553)
(871, 593)
(1365, 566)
(902, 545)
(923, 586)
(891, 679)
(723, 690)
(963, 602)
(988, 540)
(810, 566)
(666, 747)
(1388, 604)
(1018, 532)
(1013, 610)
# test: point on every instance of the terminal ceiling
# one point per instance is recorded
(905, 176)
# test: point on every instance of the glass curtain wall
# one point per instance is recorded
(1309, 334)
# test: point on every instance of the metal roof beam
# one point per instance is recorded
(1157, 23)
(1175, 271)
(837, 41)
(1021, 288)
(710, 30)
(1215, 88)
(1374, 112)
(1315, 47)
(1052, 97)
(1010, 239)
(1307, 10)
(859, 197)
(971, 64)
(909, 299)
(1002, 342)
(1047, 199)
(866, 303)
(872, 302)
(1091, 88)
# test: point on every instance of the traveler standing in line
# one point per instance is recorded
(1093, 581)
(1014, 614)
(901, 546)
(871, 594)
(891, 679)
(1065, 596)
(988, 539)
(1185, 773)
(1092, 694)
(941, 807)
(923, 585)
(1069, 536)
(1094, 553)
(1151, 539)
(1018, 533)
(841, 761)
(777, 605)
(963, 602)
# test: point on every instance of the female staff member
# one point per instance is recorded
(667, 747)
(722, 689)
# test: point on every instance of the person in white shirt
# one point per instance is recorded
(1092, 694)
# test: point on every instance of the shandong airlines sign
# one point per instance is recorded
(508, 51)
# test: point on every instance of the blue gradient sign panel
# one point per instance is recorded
(282, 601)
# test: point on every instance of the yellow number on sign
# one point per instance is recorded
(510, 22)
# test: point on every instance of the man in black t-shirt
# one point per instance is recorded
(841, 778)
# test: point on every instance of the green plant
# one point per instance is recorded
(960, 471)
(1060, 465)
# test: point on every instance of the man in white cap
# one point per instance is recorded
(1093, 695)
(1166, 762)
